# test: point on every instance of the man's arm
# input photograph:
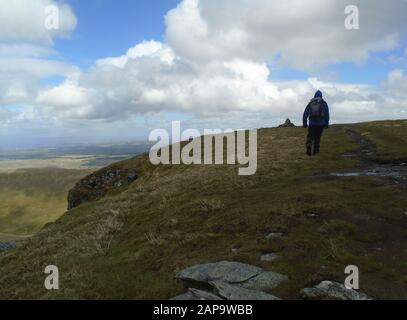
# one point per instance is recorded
(305, 117)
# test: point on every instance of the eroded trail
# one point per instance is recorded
(393, 173)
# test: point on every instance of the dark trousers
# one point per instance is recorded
(314, 139)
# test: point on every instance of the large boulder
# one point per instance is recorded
(328, 290)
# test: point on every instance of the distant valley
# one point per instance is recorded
(76, 156)
(34, 183)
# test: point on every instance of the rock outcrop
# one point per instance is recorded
(328, 290)
(99, 184)
(230, 281)
(287, 124)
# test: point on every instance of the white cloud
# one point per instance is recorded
(147, 83)
(20, 76)
(25, 20)
(66, 95)
(301, 34)
(144, 49)
(215, 65)
(26, 53)
(17, 50)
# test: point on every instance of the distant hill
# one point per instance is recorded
(128, 238)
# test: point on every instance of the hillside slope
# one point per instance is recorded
(345, 207)
(30, 198)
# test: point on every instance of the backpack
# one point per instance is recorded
(316, 108)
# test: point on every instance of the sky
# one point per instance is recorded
(107, 71)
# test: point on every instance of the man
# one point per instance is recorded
(317, 112)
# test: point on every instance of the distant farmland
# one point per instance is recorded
(34, 184)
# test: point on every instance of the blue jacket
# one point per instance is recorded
(320, 122)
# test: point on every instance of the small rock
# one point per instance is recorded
(234, 250)
(5, 246)
(269, 257)
(234, 292)
(313, 215)
(405, 213)
(225, 271)
(274, 235)
(328, 290)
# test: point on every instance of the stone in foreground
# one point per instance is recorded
(265, 281)
(235, 292)
(328, 290)
(232, 272)
(195, 294)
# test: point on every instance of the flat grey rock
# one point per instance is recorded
(232, 272)
(265, 281)
(269, 257)
(328, 290)
(235, 292)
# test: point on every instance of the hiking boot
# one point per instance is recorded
(316, 148)
(309, 150)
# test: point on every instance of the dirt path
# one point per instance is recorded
(390, 243)
(369, 166)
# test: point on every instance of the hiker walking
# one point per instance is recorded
(317, 112)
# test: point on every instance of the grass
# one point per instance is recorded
(130, 245)
(31, 198)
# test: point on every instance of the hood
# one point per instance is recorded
(318, 94)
